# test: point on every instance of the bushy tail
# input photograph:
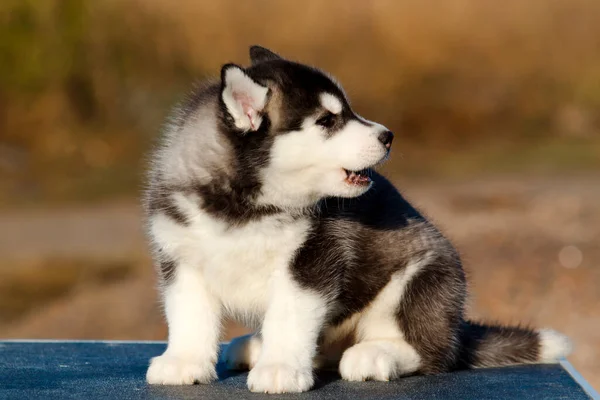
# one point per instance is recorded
(495, 345)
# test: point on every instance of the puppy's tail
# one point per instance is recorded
(495, 345)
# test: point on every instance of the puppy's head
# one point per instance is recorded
(315, 145)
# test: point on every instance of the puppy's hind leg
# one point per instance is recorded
(379, 360)
(381, 352)
(242, 352)
(402, 332)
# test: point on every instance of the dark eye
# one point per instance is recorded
(327, 120)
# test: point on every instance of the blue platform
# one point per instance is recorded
(116, 370)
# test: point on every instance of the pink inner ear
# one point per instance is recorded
(246, 102)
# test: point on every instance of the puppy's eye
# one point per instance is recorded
(327, 120)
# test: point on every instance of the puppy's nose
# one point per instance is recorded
(386, 138)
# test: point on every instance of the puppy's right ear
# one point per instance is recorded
(244, 98)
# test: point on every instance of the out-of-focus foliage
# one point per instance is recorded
(84, 85)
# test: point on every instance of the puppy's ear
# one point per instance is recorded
(260, 54)
(244, 98)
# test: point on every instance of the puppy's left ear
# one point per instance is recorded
(259, 54)
(244, 98)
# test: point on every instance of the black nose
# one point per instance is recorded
(386, 138)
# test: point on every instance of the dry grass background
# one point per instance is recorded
(496, 106)
(85, 85)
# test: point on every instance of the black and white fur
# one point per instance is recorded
(254, 213)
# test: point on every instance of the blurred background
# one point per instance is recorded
(495, 105)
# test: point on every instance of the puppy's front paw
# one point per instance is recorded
(242, 352)
(279, 378)
(172, 370)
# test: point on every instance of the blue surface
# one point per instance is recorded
(104, 370)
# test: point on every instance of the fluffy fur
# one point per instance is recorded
(263, 206)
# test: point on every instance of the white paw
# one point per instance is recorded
(279, 378)
(171, 370)
(242, 352)
(365, 361)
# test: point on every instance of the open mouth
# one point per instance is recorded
(358, 178)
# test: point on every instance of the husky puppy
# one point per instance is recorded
(263, 206)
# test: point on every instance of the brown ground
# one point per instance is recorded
(531, 247)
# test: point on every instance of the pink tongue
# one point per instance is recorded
(354, 178)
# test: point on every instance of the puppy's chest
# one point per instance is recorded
(240, 260)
